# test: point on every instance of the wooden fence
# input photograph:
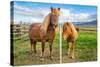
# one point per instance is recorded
(19, 31)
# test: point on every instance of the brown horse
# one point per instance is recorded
(44, 32)
(70, 34)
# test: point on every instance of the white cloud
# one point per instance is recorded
(68, 16)
(37, 20)
(83, 17)
(29, 11)
(22, 8)
(38, 14)
(64, 15)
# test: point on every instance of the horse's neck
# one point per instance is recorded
(46, 22)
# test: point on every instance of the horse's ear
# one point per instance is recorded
(51, 9)
(59, 9)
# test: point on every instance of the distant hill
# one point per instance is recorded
(92, 23)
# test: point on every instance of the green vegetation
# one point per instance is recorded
(85, 50)
(23, 56)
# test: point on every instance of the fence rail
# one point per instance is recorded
(19, 31)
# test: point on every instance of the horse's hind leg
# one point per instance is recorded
(31, 43)
(34, 46)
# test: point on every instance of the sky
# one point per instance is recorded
(30, 12)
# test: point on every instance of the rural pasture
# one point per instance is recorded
(85, 49)
(51, 15)
(22, 51)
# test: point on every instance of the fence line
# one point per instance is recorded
(19, 31)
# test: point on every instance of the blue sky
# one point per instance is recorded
(35, 12)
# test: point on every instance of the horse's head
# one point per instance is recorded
(54, 17)
(66, 30)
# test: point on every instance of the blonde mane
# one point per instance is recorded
(45, 23)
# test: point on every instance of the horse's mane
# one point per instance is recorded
(73, 32)
(45, 23)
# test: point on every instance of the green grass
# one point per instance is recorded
(23, 56)
(85, 50)
(85, 47)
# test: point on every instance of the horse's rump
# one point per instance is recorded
(77, 28)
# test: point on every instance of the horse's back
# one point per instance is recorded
(34, 25)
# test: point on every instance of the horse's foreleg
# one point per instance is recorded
(73, 47)
(50, 48)
(69, 48)
(42, 54)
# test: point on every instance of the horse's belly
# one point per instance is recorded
(37, 38)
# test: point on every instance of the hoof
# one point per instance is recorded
(72, 57)
(51, 58)
(41, 59)
(35, 52)
(68, 53)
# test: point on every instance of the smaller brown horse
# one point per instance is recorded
(70, 34)
(44, 32)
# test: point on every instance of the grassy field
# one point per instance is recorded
(23, 56)
(85, 50)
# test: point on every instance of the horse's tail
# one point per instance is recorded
(77, 28)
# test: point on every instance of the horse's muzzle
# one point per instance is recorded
(64, 37)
